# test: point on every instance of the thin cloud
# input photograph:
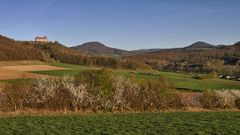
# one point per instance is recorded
(41, 12)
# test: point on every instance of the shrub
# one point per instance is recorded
(14, 96)
(126, 94)
(236, 94)
(237, 102)
(44, 93)
(205, 76)
(191, 99)
(154, 94)
(226, 99)
(220, 99)
(209, 99)
(58, 94)
(198, 76)
(99, 84)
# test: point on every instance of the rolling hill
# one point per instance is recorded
(200, 45)
(99, 48)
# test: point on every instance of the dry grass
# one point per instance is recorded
(19, 69)
(6, 74)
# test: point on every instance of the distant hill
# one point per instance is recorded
(99, 48)
(200, 45)
(195, 46)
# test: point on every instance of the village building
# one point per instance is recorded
(39, 39)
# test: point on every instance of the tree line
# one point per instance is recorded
(224, 60)
(55, 51)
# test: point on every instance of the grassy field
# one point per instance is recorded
(180, 80)
(142, 123)
(187, 81)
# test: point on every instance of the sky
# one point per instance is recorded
(125, 24)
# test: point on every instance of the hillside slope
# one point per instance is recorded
(12, 50)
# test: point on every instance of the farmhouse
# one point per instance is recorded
(39, 39)
(228, 77)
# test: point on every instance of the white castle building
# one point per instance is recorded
(40, 39)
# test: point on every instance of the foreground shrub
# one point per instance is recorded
(13, 96)
(45, 93)
(226, 99)
(126, 93)
(237, 102)
(236, 94)
(220, 99)
(100, 88)
(191, 99)
(154, 95)
(58, 94)
(209, 100)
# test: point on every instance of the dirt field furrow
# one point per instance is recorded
(16, 72)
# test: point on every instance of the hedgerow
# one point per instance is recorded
(100, 90)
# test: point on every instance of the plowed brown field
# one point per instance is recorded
(15, 72)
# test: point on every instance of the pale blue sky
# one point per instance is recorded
(125, 24)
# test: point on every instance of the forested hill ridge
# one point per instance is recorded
(100, 48)
(199, 57)
(195, 46)
(11, 49)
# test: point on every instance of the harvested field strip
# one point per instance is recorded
(19, 63)
(6, 74)
(31, 68)
(15, 72)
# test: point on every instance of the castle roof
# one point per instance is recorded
(38, 37)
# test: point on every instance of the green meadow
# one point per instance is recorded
(179, 80)
(132, 123)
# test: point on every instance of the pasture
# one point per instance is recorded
(182, 81)
(116, 123)
(131, 123)
(179, 80)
